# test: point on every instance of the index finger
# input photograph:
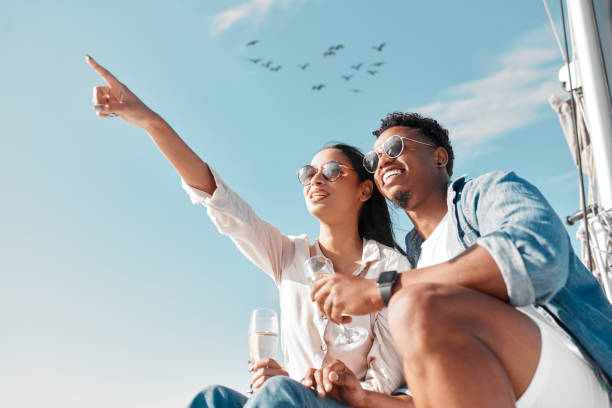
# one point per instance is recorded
(104, 73)
(338, 367)
(318, 284)
(308, 379)
(266, 362)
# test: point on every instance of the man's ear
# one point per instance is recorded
(441, 157)
(366, 190)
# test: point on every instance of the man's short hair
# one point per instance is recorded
(427, 127)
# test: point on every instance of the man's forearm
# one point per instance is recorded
(474, 269)
(377, 399)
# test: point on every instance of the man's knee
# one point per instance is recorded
(419, 315)
(418, 303)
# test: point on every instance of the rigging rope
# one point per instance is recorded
(554, 28)
(578, 143)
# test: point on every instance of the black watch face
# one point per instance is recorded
(386, 277)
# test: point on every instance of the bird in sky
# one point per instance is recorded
(347, 77)
(378, 64)
(328, 53)
(255, 60)
(276, 68)
(380, 47)
(303, 67)
(355, 90)
(336, 47)
(357, 66)
(372, 72)
(318, 87)
(267, 64)
(250, 43)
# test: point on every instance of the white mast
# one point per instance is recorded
(590, 75)
(590, 65)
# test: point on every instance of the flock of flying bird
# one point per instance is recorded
(330, 52)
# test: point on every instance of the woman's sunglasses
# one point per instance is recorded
(331, 171)
(393, 147)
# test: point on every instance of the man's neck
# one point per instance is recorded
(428, 214)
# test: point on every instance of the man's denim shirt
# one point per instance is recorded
(512, 220)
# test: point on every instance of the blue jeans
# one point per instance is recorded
(279, 391)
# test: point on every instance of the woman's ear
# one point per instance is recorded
(366, 188)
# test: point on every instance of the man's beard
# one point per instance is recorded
(401, 198)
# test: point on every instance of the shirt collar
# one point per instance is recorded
(453, 188)
(369, 254)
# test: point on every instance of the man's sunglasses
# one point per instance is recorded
(393, 147)
(331, 171)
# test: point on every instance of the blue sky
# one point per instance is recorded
(115, 290)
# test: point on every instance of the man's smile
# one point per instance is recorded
(389, 174)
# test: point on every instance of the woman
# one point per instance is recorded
(355, 234)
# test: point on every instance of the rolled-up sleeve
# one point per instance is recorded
(259, 241)
(385, 372)
(522, 233)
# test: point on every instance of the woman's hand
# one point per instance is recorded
(264, 369)
(339, 382)
(115, 99)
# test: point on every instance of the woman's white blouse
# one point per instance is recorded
(306, 336)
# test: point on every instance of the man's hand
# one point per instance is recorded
(338, 381)
(339, 294)
(264, 369)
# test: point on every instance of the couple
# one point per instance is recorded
(493, 308)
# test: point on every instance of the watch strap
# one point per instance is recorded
(385, 285)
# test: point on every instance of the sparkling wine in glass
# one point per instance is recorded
(263, 335)
(350, 337)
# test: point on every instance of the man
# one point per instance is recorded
(498, 310)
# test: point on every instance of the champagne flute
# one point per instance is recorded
(350, 337)
(263, 335)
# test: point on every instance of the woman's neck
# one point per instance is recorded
(342, 245)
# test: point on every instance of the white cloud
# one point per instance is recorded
(247, 10)
(509, 98)
(563, 178)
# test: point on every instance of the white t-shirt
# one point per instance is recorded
(442, 245)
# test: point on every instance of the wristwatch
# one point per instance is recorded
(385, 284)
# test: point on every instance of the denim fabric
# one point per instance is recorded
(218, 396)
(278, 392)
(510, 218)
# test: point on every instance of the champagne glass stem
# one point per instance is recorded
(346, 333)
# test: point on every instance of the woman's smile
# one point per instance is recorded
(317, 195)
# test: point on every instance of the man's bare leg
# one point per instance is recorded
(462, 348)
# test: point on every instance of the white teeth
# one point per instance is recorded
(317, 196)
(390, 174)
